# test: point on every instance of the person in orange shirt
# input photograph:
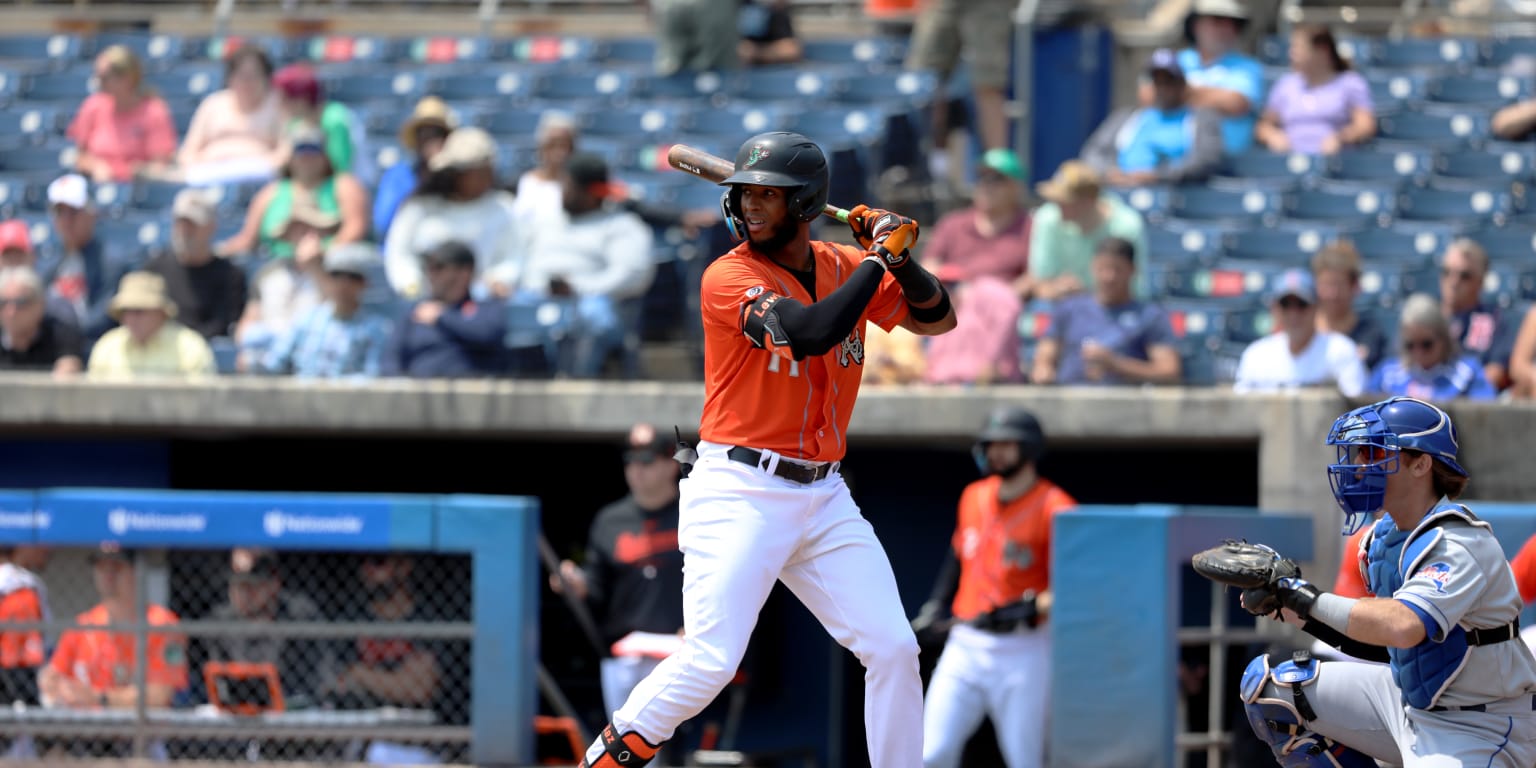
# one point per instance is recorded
(1524, 566)
(96, 667)
(23, 599)
(992, 594)
(784, 321)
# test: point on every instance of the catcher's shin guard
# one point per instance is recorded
(626, 750)
(1282, 724)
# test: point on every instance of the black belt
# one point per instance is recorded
(789, 470)
(1474, 707)
(1509, 631)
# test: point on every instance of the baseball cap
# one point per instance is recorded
(1166, 61)
(351, 258)
(646, 444)
(307, 139)
(111, 550)
(14, 236)
(193, 205)
(70, 190)
(252, 564)
(1005, 162)
(1295, 282)
(297, 81)
(450, 253)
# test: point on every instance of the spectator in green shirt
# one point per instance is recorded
(305, 108)
(1068, 228)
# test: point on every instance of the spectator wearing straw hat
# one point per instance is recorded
(1068, 228)
(423, 134)
(148, 341)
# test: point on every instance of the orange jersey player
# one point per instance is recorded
(784, 323)
(996, 584)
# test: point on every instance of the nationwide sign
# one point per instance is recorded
(169, 519)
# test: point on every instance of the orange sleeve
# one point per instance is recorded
(1524, 566)
(167, 655)
(731, 288)
(1349, 582)
(65, 656)
(21, 648)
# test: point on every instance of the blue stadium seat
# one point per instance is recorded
(29, 125)
(1237, 282)
(400, 87)
(1204, 203)
(1386, 284)
(157, 52)
(1500, 52)
(346, 49)
(627, 50)
(1150, 202)
(187, 82)
(867, 51)
(1437, 53)
(281, 50)
(839, 125)
(1279, 245)
(67, 88)
(1358, 50)
(1183, 243)
(1399, 246)
(511, 123)
(1246, 325)
(1513, 244)
(545, 49)
(1484, 168)
(653, 186)
(47, 51)
(1371, 164)
(1488, 89)
(605, 86)
(504, 85)
(146, 230)
(638, 122)
(1454, 204)
(686, 86)
(789, 84)
(112, 198)
(1365, 207)
(154, 195)
(48, 159)
(1260, 164)
(443, 50)
(13, 197)
(11, 81)
(1392, 90)
(1442, 129)
(1197, 319)
(1274, 51)
(1506, 285)
(916, 88)
(737, 121)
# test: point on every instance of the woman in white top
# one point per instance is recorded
(457, 200)
(236, 133)
(538, 189)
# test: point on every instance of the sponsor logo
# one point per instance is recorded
(124, 521)
(16, 520)
(278, 523)
(754, 292)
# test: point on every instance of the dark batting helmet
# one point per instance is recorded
(779, 159)
(1010, 425)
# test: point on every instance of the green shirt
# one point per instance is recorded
(1058, 247)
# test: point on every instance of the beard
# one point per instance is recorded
(776, 240)
(1004, 471)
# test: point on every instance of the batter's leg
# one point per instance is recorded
(955, 706)
(736, 529)
(842, 574)
(1018, 700)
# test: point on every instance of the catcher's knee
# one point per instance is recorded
(1282, 722)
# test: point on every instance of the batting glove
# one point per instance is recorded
(859, 218)
(893, 237)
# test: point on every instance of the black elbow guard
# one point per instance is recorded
(761, 324)
(934, 313)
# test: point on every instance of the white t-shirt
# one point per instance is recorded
(486, 224)
(1267, 364)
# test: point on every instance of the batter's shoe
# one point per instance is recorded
(629, 750)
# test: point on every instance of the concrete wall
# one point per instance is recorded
(1287, 428)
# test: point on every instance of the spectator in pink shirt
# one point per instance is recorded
(1320, 106)
(122, 129)
(984, 347)
(991, 238)
(237, 133)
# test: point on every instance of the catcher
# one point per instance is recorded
(1458, 689)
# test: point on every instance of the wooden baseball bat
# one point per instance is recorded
(716, 169)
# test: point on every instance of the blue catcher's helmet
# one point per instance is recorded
(1368, 441)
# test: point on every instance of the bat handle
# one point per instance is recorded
(837, 213)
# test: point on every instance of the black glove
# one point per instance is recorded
(1297, 594)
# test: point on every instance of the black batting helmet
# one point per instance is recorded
(781, 159)
(1013, 425)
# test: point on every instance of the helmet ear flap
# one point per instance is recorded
(730, 210)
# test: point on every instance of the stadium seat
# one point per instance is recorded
(399, 87)
(545, 49)
(1274, 244)
(1386, 284)
(609, 87)
(1374, 164)
(866, 51)
(1390, 91)
(1263, 165)
(1503, 51)
(786, 84)
(1514, 244)
(1197, 320)
(443, 50)
(1206, 204)
(45, 51)
(1246, 325)
(154, 196)
(505, 85)
(638, 122)
(619, 51)
(737, 122)
(13, 197)
(1487, 89)
(1443, 129)
(1182, 242)
(691, 87)
(1150, 202)
(346, 49)
(157, 52)
(1483, 168)
(281, 50)
(653, 186)
(48, 159)
(1239, 281)
(1363, 208)
(511, 123)
(1468, 206)
(145, 230)
(917, 88)
(29, 125)
(839, 124)
(67, 88)
(1435, 53)
(187, 82)
(1393, 245)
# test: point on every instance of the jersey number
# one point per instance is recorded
(773, 365)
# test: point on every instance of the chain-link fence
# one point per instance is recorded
(237, 655)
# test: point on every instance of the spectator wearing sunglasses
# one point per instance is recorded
(1297, 354)
(1479, 328)
(1431, 366)
(632, 577)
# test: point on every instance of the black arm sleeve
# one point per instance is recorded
(948, 581)
(1338, 640)
(812, 329)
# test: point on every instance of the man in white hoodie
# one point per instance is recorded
(23, 599)
(596, 260)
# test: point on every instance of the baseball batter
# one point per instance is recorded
(784, 320)
(1459, 688)
(996, 585)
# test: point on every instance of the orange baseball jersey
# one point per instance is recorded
(20, 648)
(1351, 579)
(1004, 550)
(1524, 566)
(760, 396)
(106, 659)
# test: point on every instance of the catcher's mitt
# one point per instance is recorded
(1244, 565)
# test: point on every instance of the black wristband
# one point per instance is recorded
(931, 314)
(917, 284)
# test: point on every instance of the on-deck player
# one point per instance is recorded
(784, 320)
(996, 585)
(1459, 688)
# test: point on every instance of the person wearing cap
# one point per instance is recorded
(422, 134)
(31, 338)
(124, 127)
(631, 578)
(16, 251)
(94, 667)
(1108, 336)
(597, 256)
(209, 292)
(1170, 142)
(305, 107)
(991, 237)
(539, 189)
(236, 133)
(458, 200)
(1297, 354)
(981, 33)
(257, 594)
(1431, 367)
(1221, 77)
(148, 341)
(1066, 231)
(79, 267)
(340, 338)
(449, 334)
(312, 206)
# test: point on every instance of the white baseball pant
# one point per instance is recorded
(982, 674)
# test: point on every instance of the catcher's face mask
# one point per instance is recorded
(1367, 453)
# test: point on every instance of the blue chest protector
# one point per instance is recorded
(1424, 671)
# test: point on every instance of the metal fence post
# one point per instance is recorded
(1024, 79)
